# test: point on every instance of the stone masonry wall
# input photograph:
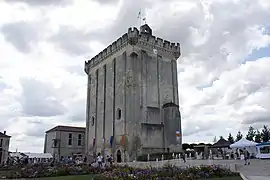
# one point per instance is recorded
(128, 84)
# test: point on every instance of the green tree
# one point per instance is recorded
(265, 134)
(230, 138)
(221, 137)
(185, 146)
(251, 134)
(258, 136)
(239, 136)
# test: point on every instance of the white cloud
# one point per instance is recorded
(44, 46)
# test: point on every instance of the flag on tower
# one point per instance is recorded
(111, 141)
(178, 133)
(123, 140)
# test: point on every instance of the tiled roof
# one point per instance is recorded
(67, 128)
(4, 135)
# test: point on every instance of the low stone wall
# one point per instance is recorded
(179, 163)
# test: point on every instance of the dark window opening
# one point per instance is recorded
(93, 121)
(119, 113)
(79, 139)
(1, 142)
(69, 139)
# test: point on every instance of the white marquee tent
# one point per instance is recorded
(243, 143)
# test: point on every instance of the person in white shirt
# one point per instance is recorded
(99, 160)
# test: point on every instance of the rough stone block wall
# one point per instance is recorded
(109, 111)
(135, 89)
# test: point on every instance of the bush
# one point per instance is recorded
(168, 173)
(119, 172)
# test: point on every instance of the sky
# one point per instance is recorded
(223, 73)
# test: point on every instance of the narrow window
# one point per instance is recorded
(1, 142)
(119, 114)
(93, 121)
(70, 139)
(79, 139)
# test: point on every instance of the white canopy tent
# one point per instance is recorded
(244, 143)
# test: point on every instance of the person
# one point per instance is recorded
(99, 159)
(246, 156)
(110, 160)
(183, 156)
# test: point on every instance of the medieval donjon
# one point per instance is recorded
(132, 96)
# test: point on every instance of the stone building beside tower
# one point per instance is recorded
(132, 97)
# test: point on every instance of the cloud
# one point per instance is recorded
(73, 41)
(41, 2)
(3, 85)
(38, 99)
(223, 74)
(22, 34)
(37, 127)
(107, 1)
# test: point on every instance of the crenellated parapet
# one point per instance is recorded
(107, 52)
(135, 37)
(160, 44)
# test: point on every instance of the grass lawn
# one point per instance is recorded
(79, 177)
(87, 177)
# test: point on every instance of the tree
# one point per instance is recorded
(185, 146)
(265, 134)
(239, 136)
(251, 134)
(221, 137)
(230, 138)
(258, 136)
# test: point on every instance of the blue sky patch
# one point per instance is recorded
(259, 53)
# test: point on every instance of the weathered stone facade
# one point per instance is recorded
(65, 141)
(4, 147)
(132, 96)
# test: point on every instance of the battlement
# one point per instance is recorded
(160, 43)
(133, 37)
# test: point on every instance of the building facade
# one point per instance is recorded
(4, 147)
(65, 141)
(132, 97)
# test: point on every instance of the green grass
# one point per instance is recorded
(87, 177)
(78, 177)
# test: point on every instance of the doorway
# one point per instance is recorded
(118, 156)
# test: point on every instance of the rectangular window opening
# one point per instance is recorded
(79, 139)
(69, 139)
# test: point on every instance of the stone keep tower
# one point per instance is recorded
(132, 97)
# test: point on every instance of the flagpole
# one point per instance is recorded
(140, 17)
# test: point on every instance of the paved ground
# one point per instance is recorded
(257, 170)
(258, 178)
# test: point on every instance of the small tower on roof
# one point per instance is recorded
(146, 29)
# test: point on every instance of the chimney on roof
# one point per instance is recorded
(5, 132)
